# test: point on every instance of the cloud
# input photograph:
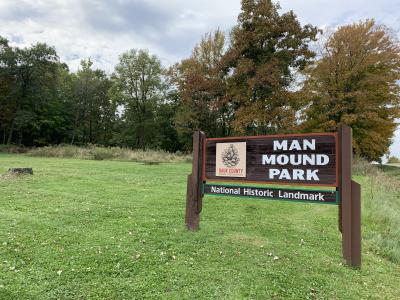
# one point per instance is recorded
(333, 13)
(126, 16)
(103, 29)
(25, 9)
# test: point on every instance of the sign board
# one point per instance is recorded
(314, 159)
(309, 159)
(316, 196)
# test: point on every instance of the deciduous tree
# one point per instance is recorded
(29, 76)
(355, 82)
(138, 87)
(94, 111)
(266, 49)
(201, 85)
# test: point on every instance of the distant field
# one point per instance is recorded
(394, 165)
(87, 229)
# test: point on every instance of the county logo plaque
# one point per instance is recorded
(230, 156)
(231, 159)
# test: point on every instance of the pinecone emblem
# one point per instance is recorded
(230, 156)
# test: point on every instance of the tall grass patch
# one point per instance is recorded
(380, 210)
(109, 153)
(12, 149)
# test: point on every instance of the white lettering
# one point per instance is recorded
(309, 145)
(312, 175)
(282, 159)
(295, 174)
(284, 174)
(293, 159)
(295, 145)
(268, 160)
(298, 174)
(280, 145)
(322, 159)
(309, 159)
(273, 173)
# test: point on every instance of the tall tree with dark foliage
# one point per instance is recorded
(139, 88)
(29, 81)
(266, 50)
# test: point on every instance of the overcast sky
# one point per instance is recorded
(103, 29)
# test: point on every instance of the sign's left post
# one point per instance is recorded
(194, 194)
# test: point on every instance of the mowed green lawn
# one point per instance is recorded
(115, 230)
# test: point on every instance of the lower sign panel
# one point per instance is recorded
(315, 196)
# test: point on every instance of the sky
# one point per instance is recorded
(103, 29)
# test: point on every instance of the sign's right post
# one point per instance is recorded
(350, 201)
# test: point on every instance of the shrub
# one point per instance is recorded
(393, 160)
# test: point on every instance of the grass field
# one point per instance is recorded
(86, 229)
(392, 169)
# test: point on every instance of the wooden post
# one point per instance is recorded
(194, 194)
(350, 202)
(356, 224)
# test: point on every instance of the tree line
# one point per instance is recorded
(270, 75)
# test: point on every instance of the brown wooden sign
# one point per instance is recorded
(315, 159)
(309, 159)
